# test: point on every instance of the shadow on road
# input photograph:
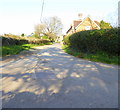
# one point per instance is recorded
(61, 80)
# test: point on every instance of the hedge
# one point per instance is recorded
(6, 41)
(106, 40)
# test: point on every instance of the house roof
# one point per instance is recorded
(69, 29)
(96, 22)
(76, 23)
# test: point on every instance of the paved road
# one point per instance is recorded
(47, 77)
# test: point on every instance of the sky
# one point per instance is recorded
(20, 16)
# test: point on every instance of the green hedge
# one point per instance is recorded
(8, 41)
(106, 40)
(12, 41)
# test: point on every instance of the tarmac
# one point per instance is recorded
(47, 77)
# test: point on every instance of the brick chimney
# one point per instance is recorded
(80, 16)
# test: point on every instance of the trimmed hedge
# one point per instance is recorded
(7, 41)
(105, 40)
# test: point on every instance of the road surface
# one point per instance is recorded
(47, 77)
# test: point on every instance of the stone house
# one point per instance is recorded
(82, 25)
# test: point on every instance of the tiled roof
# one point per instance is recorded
(97, 23)
(69, 29)
(76, 22)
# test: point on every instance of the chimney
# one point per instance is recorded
(80, 16)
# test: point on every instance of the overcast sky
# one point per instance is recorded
(20, 16)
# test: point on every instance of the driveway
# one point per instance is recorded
(47, 77)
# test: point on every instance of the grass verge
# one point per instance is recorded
(15, 49)
(97, 57)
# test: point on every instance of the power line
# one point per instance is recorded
(42, 11)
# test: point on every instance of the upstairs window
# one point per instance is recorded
(87, 28)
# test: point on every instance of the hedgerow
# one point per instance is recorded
(12, 44)
(17, 40)
(105, 40)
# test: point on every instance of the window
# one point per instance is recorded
(87, 28)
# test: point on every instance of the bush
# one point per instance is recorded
(17, 40)
(22, 34)
(106, 40)
(12, 41)
(66, 40)
(13, 44)
(45, 37)
(35, 35)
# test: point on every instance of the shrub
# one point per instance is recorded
(45, 37)
(12, 41)
(35, 35)
(66, 40)
(106, 40)
(8, 41)
(22, 34)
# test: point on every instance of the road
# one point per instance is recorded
(47, 77)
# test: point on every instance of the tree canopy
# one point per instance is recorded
(105, 25)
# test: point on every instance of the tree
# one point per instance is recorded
(39, 29)
(52, 27)
(105, 25)
(22, 34)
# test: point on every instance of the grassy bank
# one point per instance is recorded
(15, 49)
(97, 57)
(13, 44)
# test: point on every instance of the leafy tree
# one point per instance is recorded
(105, 25)
(22, 34)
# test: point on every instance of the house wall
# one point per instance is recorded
(85, 23)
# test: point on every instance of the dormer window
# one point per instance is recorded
(87, 28)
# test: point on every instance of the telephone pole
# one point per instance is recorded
(42, 11)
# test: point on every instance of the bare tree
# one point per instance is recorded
(52, 27)
(39, 29)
